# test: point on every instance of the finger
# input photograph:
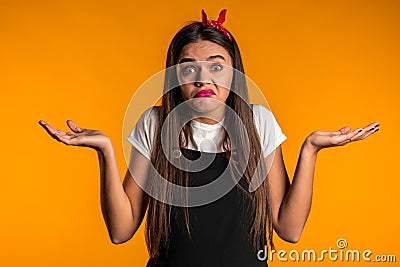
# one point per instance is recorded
(356, 133)
(374, 124)
(366, 131)
(338, 132)
(60, 136)
(342, 130)
(370, 132)
(74, 127)
(345, 138)
(50, 130)
(326, 133)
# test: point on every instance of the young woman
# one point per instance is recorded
(204, 81)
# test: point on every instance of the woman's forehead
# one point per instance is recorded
(203, 51)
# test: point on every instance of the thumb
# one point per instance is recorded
(74, 127)
(343, 130)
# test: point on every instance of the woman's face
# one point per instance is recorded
(205, 74)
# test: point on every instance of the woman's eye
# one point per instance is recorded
(188, 70)
(216, 67)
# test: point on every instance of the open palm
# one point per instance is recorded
(323, 139)
(78, 137)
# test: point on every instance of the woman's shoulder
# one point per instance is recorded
(151, 112)
(260, 111)
(143, 133)
(150, 115)
(148, 120)
(271, 135)
(264, 118)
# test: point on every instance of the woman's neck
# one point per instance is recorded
(213, 117)
(206, 120)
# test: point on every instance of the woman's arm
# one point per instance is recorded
(124, 204)
(291, 204)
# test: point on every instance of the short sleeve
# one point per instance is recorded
(143, 133)
(271, 135)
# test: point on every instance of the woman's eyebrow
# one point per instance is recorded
(216, 56)
(187, 59)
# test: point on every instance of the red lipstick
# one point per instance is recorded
(205, 93)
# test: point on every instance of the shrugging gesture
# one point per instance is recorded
(78, 137)
(291, 202)
(322, 139)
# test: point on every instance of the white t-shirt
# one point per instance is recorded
(207, 136)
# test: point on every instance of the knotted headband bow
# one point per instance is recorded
(216, 24)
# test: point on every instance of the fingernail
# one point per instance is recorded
(377, 125)
(377, 129)
(359, 131)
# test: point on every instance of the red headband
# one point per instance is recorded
(216, 24)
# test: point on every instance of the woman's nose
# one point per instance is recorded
(203, 76)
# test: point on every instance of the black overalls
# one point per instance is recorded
(218, 229)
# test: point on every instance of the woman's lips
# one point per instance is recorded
(205, 93)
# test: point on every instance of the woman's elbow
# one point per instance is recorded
(117, 241)
(120, 239)
(290, 236)
(120, 235)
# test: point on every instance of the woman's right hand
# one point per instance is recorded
(79, 136)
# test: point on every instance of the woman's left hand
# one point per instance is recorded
(321, 139)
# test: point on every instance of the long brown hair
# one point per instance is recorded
(158, 223)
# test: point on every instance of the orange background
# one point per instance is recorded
(321, 65)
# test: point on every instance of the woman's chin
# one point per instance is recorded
(204, 105)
